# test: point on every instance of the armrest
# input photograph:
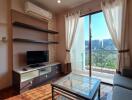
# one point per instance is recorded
(120, 93)
(122, 81)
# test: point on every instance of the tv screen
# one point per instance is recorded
(36, 57)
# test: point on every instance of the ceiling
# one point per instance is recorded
(55, 7)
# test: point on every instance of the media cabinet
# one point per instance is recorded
(28, 78)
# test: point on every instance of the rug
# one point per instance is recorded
(44, 93)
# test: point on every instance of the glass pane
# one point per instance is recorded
(104, 52)
(80, 84)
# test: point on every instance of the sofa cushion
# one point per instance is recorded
(122, 81)
(120, 93)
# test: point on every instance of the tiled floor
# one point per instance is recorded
(104, 77)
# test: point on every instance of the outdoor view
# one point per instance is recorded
(104, 53)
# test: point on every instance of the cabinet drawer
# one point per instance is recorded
(25, 85)
(29, 75)
(44, 78)
(36, 81)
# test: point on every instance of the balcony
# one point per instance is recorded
(104, 59)
(104, 64)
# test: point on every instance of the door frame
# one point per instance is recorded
(90, 38)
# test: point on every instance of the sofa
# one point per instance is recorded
(122, 87)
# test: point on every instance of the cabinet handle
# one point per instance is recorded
(30, 82)
(46, 76)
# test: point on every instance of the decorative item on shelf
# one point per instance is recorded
(3, 39)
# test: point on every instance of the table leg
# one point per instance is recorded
(99, 93)
(52, 93)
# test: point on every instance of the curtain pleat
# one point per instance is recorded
(115, 15)
(71, 22)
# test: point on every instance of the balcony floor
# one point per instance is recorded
(104, 77)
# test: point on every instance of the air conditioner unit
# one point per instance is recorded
(34, 10)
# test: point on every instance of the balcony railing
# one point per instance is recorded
(105, 60)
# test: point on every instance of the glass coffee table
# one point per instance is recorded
(76, 87)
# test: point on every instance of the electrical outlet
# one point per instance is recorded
(3, 39)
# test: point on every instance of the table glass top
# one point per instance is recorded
(80, 84)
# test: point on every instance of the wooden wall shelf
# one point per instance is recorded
(20, 24)
(33, 41)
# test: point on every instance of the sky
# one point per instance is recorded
(99, 27)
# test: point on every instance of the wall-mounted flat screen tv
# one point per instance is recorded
(37, 57)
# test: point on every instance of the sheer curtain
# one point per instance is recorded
(115, 15)
(78, 48)
(71, 22)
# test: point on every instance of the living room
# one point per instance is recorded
(65, 50)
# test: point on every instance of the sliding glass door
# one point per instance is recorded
(104, 52)
(94, 52)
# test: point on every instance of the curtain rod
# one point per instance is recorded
(91, 13)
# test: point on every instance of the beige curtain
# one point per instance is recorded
(115, 15)
(77, 52)
(71, 22)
